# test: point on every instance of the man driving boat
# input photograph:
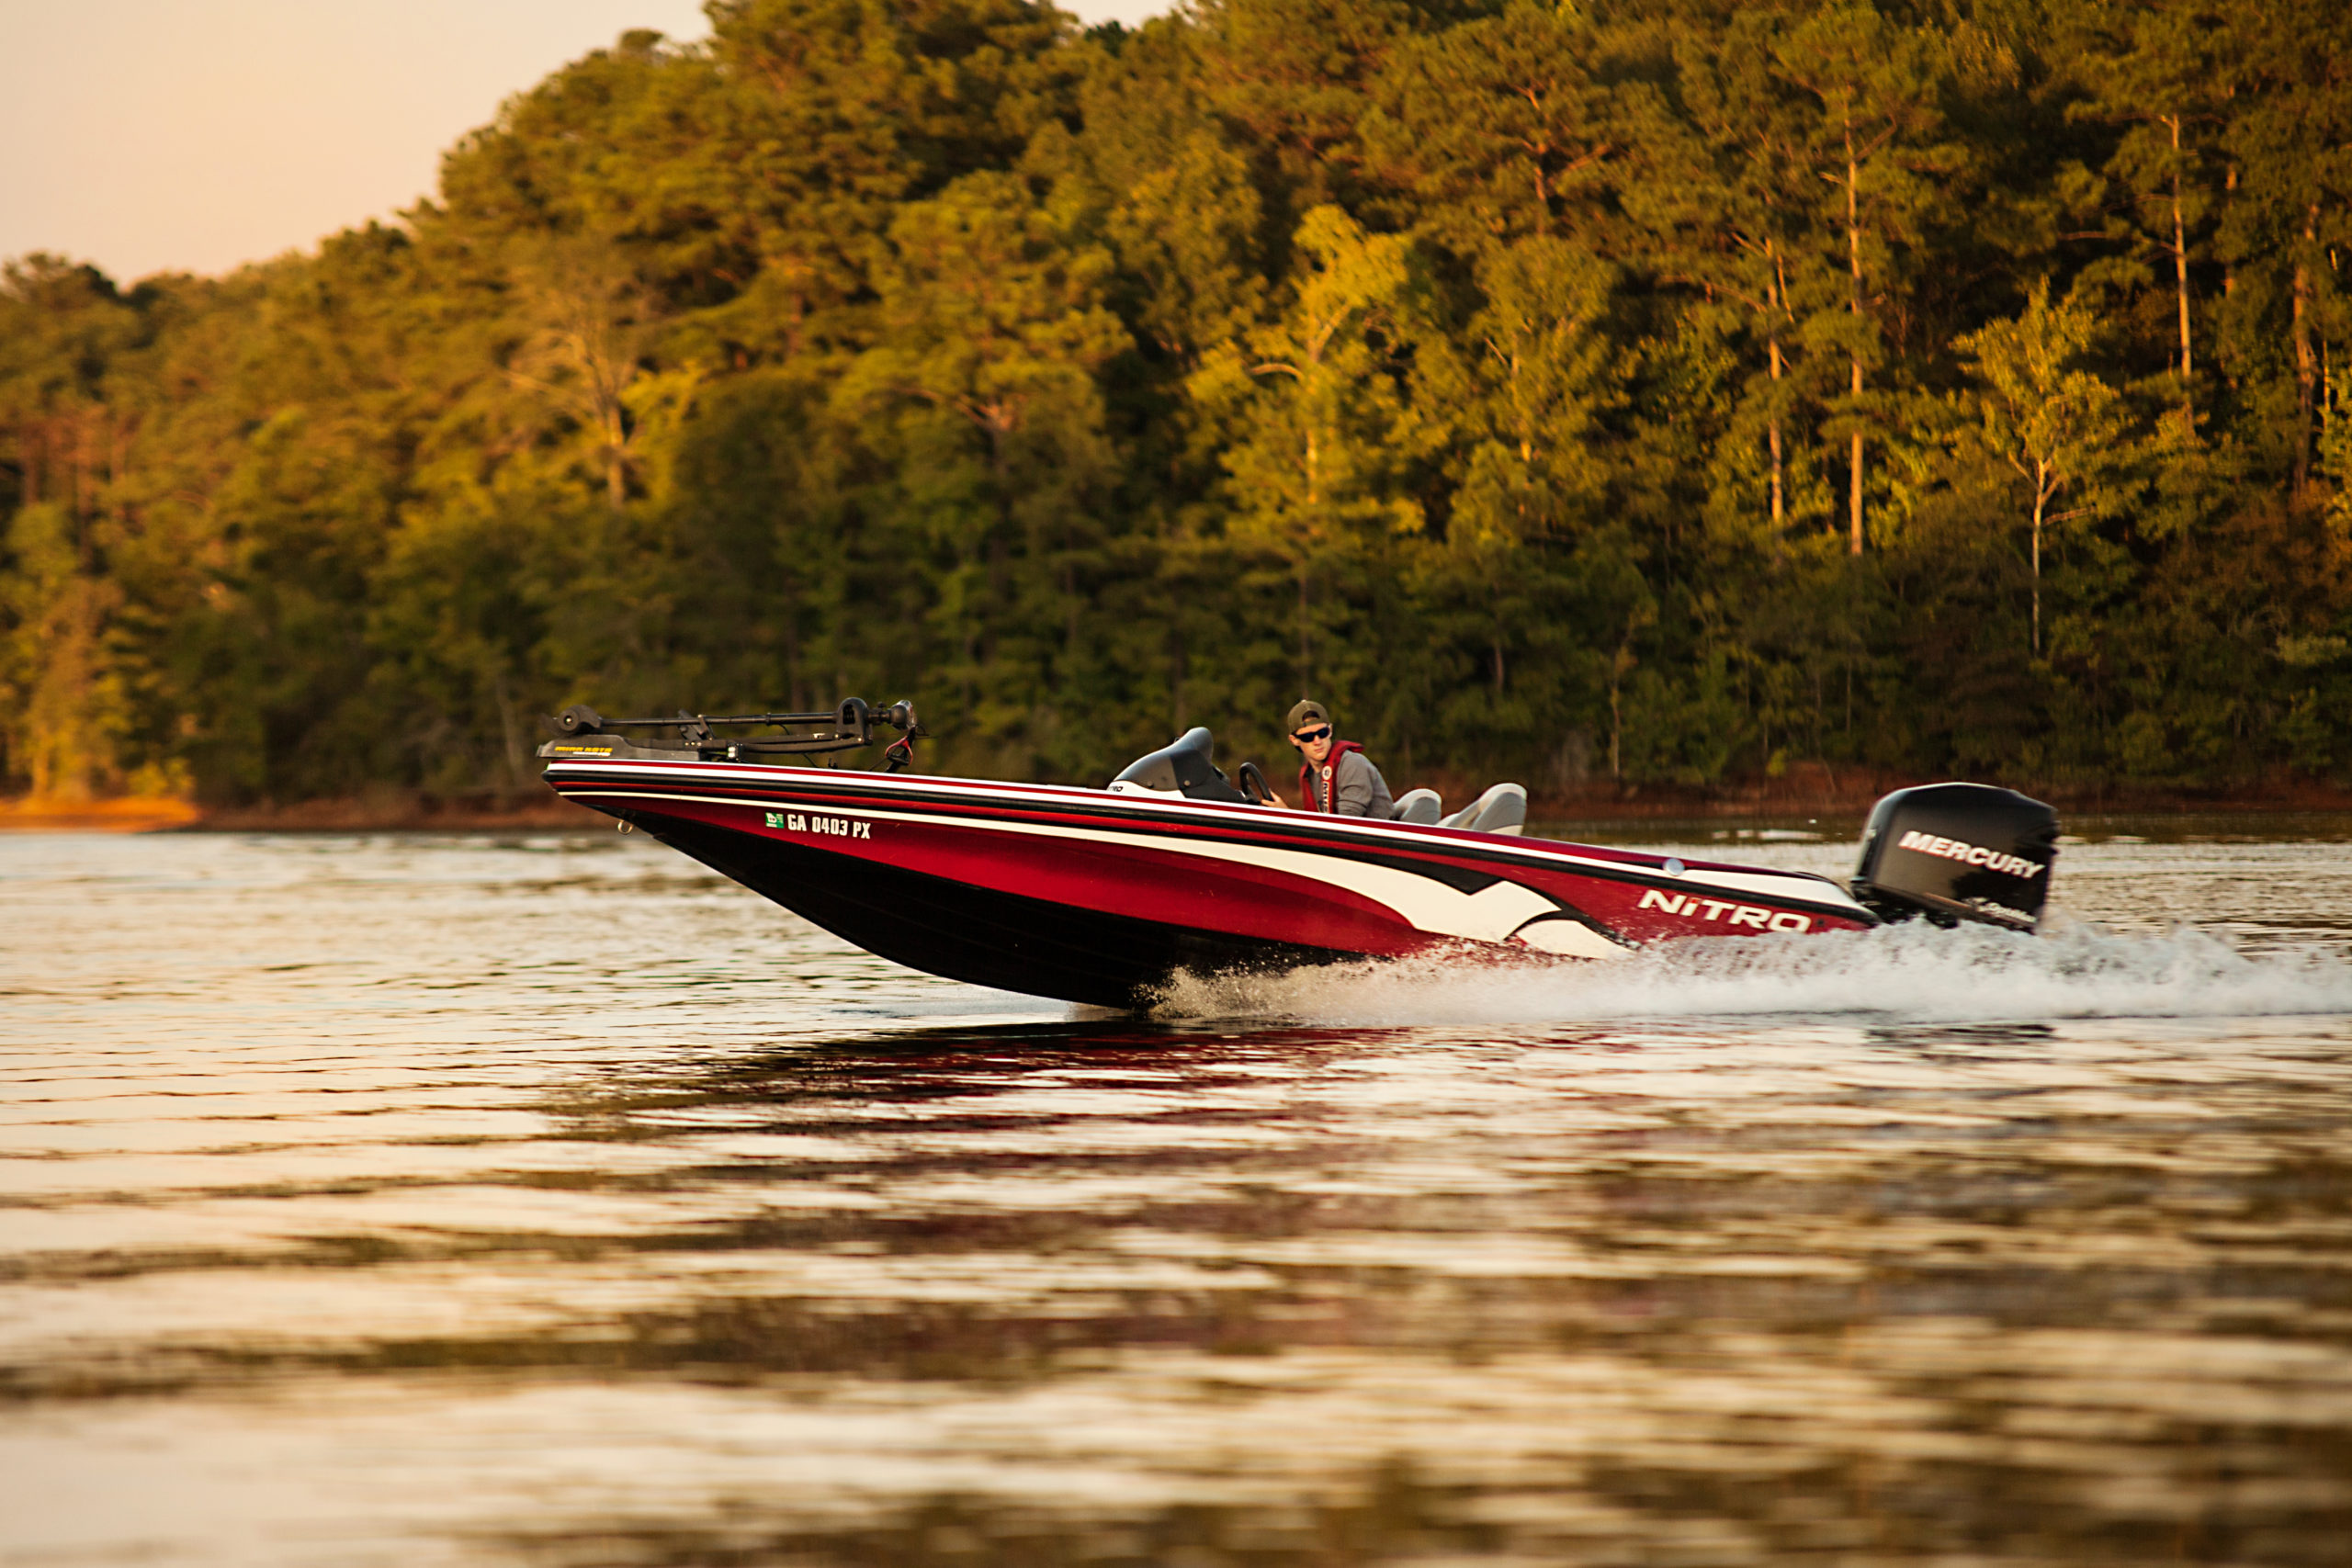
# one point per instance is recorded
(1335, 776)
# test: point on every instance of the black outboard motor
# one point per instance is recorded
(1183, 769)
(1958, 851)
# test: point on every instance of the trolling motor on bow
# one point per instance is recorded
(581, 731)
(1958, 851)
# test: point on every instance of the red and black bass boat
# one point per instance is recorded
(1103, 896)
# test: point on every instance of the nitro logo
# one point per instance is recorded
(833, 827)
(1970, 854)
(1695, 907)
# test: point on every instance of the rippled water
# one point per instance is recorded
(545, 1202)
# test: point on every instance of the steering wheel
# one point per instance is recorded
(1254, 785)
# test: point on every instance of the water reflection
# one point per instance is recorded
(403, 1202)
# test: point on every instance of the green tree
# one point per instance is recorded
(1736, 211)
(1879, 142)
(1501, 127)
(2152, 68)
(1312, 415)
(2059, 428)
(62, 330)
(1532, 391)
(991, 334)
(2288, 138)
(590, 325)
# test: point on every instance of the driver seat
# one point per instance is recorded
(1418, 806)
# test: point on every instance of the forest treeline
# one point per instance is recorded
(1638, 390)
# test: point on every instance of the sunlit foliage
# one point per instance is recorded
(1659, 393)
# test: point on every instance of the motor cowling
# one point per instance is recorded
(1181, 768)
(1958, 851)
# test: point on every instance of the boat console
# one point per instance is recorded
(1182, 767)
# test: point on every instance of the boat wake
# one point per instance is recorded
(1905, 974)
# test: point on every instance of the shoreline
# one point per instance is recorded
(419, 814)
(1762, 803)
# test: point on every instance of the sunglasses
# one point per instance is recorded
(1308, 737)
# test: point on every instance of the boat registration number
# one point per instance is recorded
(809, 822)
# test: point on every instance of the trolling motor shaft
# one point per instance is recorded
(581, 731)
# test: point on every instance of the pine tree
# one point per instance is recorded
(1878, 141)
(2152, 68)
(2288, 133)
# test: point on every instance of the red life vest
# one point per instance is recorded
(1325, 798)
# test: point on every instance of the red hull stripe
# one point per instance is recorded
(833, 789)
(1368, 888)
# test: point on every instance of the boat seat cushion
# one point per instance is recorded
(1419, 807)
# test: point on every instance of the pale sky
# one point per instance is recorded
(194, 135)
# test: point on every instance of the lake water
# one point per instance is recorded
(547, 1201)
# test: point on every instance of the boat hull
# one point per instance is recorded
(1102, 898)
(983, 935)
